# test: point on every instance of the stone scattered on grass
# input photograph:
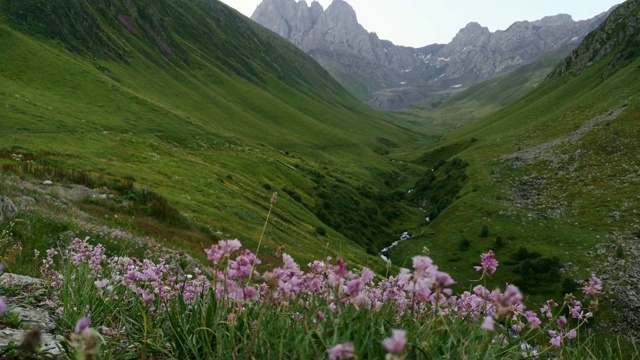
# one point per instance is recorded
(8, 210)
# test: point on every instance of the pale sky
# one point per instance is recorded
(418, 23)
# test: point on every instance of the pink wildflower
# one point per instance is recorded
(532, 319)
(367, 275)
(396, 343)
(354, 286)
(575, 309)
(229, 246)
(488, 324)
(562, 322)
(251, 294)
(82, 324)
(147, 298)
(342, 351)
(547, 308)
(289, 263)
(509, 302)
(423, 267)
(556, 338)
(214, 254)
(101, 284)
(341, 269)
(488, 263)
(593, 287)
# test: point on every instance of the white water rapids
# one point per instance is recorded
(405, 235)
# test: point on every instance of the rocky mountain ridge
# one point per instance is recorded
(619, 31)
(390, 76)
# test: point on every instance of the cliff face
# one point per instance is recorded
(373, 69)
(618, 36)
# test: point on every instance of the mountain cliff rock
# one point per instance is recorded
(382, 73)
(620, 31)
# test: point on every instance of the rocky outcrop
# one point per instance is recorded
(30, 319)
(621, 31)
(366, 65)
(8, 210)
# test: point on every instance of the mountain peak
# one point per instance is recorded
(560, 19)
(343, 10)
(366, 64)
(473, 28)
(472, 25)
(290, 19)
(315, 6)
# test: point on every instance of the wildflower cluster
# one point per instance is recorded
(145, 280)
(323, 292)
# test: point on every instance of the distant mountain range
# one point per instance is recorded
(388, 76)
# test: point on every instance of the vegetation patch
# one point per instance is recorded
(360, 214)
(439, 186)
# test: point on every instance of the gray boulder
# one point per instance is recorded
(30, 316)
(8, 210)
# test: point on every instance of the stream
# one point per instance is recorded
(405, 235)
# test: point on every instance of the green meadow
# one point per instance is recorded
(187, 117)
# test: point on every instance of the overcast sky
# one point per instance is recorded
(418, 23)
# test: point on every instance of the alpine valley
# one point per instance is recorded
(163, 126)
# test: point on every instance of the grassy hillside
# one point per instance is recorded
(193, 102)
(551, 186)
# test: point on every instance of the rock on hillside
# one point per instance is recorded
(37, 318)
(8, 209)
(377, 70)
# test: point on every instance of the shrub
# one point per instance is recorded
(524, 254)
(464, 244)
(321, 231)
(569, 286)
(437, 189)
(484, 233)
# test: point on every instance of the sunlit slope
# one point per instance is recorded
(556, 172)
(198, 103)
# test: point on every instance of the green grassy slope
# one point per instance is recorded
(200, 105)
(555, 172)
